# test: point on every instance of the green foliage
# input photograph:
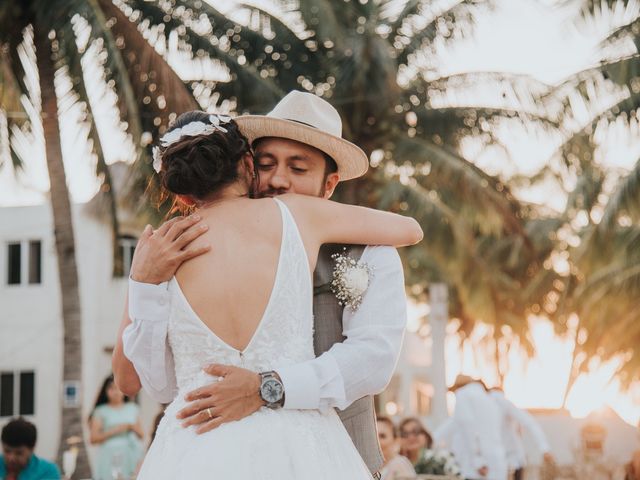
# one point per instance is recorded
(605, 266)
(363, 57)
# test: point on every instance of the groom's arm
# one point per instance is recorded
(364, 362)
(361, 365)
(142, 356)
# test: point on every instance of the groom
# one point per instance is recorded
(299, 149)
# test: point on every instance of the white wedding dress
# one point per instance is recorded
(269, 444)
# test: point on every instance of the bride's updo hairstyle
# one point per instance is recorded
(202, 164)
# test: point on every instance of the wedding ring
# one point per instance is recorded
(209, 413)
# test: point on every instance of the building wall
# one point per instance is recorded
(31, 335)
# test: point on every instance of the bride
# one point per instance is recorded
(248, 302)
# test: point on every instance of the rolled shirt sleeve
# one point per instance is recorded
(145, 339)
(364, 363)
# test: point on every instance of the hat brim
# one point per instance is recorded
(351, 160)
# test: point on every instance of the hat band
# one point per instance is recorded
(303, 123)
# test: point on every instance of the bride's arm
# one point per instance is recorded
(334, 222)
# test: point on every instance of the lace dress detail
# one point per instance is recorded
(269, 444)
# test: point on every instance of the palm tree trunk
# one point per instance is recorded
(65, 249)
(574, 371)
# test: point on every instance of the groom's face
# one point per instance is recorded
(287, 166)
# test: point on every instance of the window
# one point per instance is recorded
(17, 393)
(127, 246)
(14, 251)
(423, 392)
(24, 262)
(35, 261)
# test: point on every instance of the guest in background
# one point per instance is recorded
(514, 420)
(115, 427)
(18, 460)
(477, 442)
(632, 469)
(395, 465)
(414, 439)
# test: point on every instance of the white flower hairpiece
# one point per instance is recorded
(350, 280)
(192, 129)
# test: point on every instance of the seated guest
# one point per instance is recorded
(632, 469)
(395, 465)
(18, 462)
(414, 439)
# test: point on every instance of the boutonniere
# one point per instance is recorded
(350, 280)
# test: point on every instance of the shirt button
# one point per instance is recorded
(162, 301)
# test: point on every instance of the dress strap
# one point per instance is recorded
(291, 231)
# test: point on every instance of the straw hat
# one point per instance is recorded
(308, 119)
(461, 381)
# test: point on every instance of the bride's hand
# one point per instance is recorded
(234, 396)
(159, 253)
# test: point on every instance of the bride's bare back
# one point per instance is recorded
(229, 287)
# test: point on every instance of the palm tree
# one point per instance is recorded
(374, 61)
(605, 275)
(50, 26)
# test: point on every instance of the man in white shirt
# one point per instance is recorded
(351, 370)
(515, 419)
(473, 434)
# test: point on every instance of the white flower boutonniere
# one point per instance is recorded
(350, 280)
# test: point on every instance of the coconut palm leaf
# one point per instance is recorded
(448, 24)
(247, 85)
(327, 19)
(499, 209)
(624, 201)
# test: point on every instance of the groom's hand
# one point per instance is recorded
(160, 252)
(234, 396)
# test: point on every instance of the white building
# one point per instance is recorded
(31, 334)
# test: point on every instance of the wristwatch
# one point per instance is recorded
(271, 390)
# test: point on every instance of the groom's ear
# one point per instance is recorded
(250, 163)
(330, 184)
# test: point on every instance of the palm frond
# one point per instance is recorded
(327, 19)
(624, 201)
(248, 86)
(489, 198)
(450, 23)
(628, 31)
(71, 59)
(411, 8)
(10, 89)
(99, 14)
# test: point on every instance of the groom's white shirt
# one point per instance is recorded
(361, 365)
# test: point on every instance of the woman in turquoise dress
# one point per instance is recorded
(115, 427)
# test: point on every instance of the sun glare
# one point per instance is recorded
(539, 382)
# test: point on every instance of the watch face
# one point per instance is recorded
(271, 391)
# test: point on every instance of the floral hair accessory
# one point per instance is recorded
(350, 280)
(192, 129)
